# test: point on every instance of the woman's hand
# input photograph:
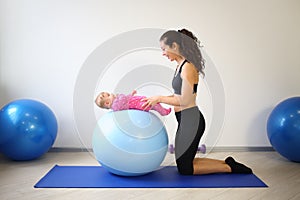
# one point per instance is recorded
(150, 102)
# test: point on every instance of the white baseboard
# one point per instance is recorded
(215, 149)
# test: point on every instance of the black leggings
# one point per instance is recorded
(191, 126)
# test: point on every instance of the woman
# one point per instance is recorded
(183, 47)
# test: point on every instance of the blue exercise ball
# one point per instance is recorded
(283, 128)
(130, 142)
(28, 129)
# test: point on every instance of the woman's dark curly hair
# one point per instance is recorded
(189, 46)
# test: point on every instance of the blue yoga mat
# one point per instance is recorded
(166, 177)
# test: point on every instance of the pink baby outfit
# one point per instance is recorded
(125, 102)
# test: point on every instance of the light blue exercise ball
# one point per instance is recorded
(283, 127)
(28, 129)
(130, 142)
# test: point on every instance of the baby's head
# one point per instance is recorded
(105, 100)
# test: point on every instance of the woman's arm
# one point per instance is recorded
(173, 100)
(189, 76)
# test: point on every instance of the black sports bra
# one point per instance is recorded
(177, 81)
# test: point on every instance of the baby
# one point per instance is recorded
(124, 102)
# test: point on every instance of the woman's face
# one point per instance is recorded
(171, 53)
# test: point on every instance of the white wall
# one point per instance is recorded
(254, 45)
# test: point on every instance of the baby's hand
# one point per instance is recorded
(133, 92)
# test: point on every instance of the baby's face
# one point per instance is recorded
(106, 99)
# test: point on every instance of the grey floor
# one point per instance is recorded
(18, 178)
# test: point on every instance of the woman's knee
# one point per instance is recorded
(185, 168)
(184, 171)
